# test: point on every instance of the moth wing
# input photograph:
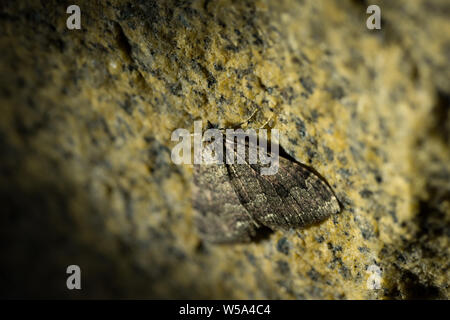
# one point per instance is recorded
(306, 198)
(292, 197)
(220, 217)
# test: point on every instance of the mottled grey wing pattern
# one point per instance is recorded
(220, 216)
(233, 200)
(294, 197)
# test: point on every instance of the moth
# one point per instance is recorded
(232, 201)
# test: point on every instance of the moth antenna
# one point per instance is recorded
(251, 116)
(247, 120)
(267, 122)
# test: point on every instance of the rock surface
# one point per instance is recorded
(87, 115)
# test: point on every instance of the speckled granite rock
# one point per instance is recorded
(86, 176)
